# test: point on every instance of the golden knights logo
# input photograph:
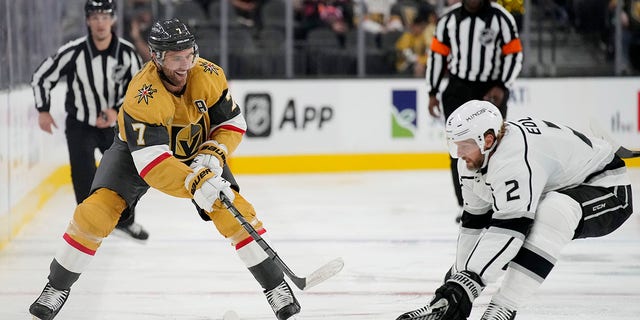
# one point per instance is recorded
(145, 93)
(187, 140)
(209, 67)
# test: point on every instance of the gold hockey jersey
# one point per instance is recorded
(164, 130)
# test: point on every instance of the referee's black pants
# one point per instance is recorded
(82, 141)
(458, 92)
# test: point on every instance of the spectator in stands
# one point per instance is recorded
(334, 14)
(404, 11)
(432, 19)
(411, 49)
(516, 8)
(139, 21)
(377, 17)
(630, 20)
(248, 12)
(205, 4)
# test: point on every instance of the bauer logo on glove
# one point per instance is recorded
(215, 150)
(198, 178)
(205, 186)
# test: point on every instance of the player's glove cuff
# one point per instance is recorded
(215, 149)
(195, 180)
(469, 281)
(205, 187)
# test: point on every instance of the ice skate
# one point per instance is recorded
(134, 230)
(282, 301)
(49, 303)
(429, 312)
(496, 312)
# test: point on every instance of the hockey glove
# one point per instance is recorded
(212, 155)
(205, 187)
(459, 291)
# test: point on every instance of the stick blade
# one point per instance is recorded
(601, 133)
(625, 153)
(323, 273)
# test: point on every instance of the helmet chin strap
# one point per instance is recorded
(487, 153)
(485, 161)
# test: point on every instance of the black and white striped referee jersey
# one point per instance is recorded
(96, 80)
(481, 47)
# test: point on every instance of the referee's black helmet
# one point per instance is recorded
(100, 6)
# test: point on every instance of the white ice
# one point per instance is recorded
(394, 230)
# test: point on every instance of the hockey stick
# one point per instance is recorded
(621, 151)
(320, 275)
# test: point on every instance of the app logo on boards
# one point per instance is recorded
(404, 113)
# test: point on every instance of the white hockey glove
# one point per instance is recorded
(212, 155)
(205, 187)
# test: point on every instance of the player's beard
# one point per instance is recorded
(474, 164)
(176, 78)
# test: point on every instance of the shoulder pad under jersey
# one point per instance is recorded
(147, 100)
(207, 81)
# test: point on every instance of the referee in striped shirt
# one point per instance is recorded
(98, 68)
(476, 43)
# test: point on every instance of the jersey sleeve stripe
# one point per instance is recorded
(439, 47)
(230, 127)
(512, 47)
(237, 124)
(520, 225)
(475, 221)
(150, 165)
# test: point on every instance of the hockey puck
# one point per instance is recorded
(230, 315)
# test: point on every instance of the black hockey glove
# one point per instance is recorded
(459, 291)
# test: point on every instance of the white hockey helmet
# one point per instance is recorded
(471, 121)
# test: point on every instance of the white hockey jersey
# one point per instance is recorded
(533, 157)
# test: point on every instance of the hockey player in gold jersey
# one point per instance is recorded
(176, 129)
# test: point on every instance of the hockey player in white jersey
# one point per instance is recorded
(530, 187)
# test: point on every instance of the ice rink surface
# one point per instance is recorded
(394, 230)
